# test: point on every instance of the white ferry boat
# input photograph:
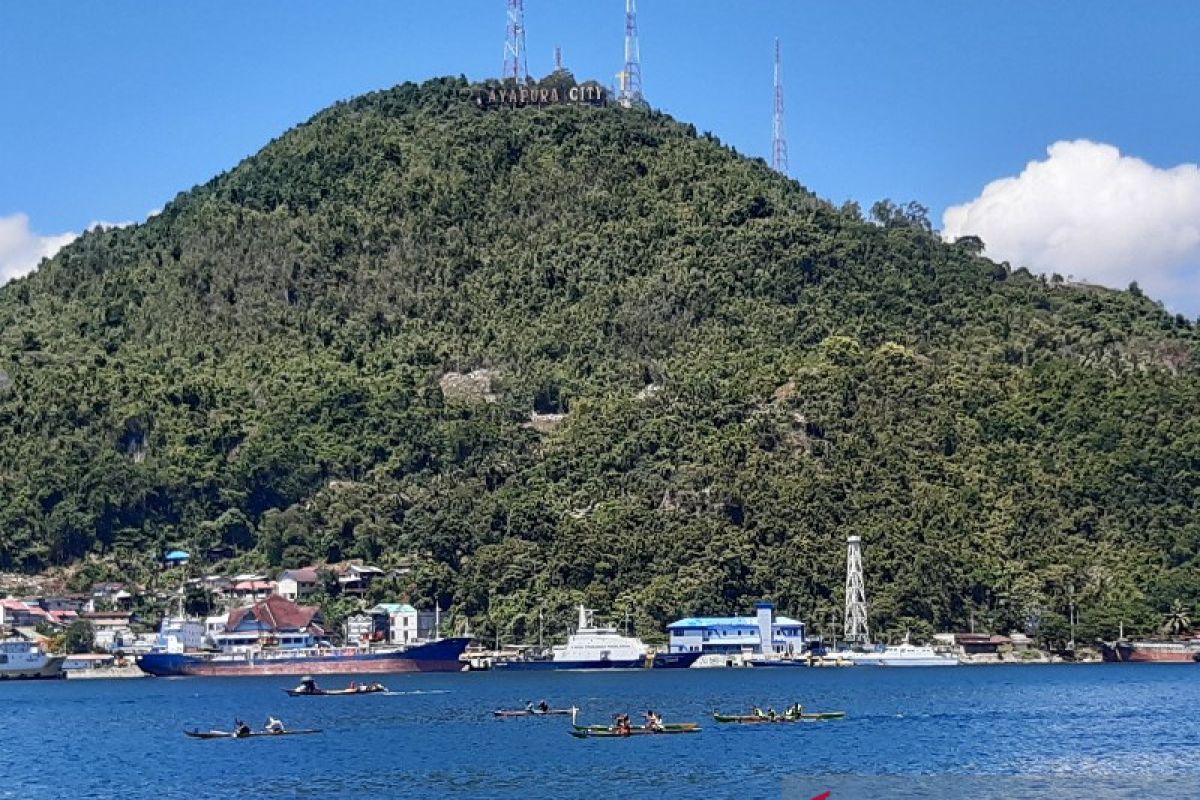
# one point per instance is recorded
(595, 646)
(904, 654)
(22, 660)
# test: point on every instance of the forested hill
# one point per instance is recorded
(585, 354)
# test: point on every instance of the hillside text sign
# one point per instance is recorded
(588, 94)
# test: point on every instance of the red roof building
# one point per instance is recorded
(275, 615)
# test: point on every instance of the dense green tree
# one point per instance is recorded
(546, 356)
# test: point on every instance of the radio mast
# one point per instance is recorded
(855, 630)
(631, 76)
(514, 44)
(779, 158)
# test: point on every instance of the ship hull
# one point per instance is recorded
(440, 656)
(1151, 652)
(661, 661)
(48, 671)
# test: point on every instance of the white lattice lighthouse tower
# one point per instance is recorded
(856, 595)
(515, 67)
(779, 157)
(630, 93)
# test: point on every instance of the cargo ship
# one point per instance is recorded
(599, 647)
(439, 656)
(1178, 651)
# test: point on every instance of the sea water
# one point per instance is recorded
(434, 735)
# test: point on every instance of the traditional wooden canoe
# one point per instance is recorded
(251, 735)
(755, 719)
(524, 712)
(605, 732)
(337, 692)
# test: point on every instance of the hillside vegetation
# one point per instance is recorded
(334, 350)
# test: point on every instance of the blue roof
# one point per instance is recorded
(720, 622)
(177, 555)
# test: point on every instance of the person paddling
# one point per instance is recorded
(241, 729)
(274, 725)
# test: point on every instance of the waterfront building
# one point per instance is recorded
(762, 634)
(394, 623)
(275, 621)
(112, 630)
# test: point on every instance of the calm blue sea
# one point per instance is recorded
(436, 737)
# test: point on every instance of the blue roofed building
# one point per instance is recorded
(762, 634)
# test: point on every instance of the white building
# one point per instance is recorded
(762, 634)
(400, 623)
(297, 584)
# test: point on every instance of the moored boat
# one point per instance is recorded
(439, 656)
(1152, 651)
(904, 654)
(594, 647)
(22, 660)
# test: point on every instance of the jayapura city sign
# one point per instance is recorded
(590, 94)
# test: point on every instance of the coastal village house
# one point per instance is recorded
(110, 595)
(19, 614)
(356, 579)
(112, 630)
(251, 588)
(276, 621)
(298, 584)
(762, 634)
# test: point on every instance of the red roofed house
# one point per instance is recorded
(252, 590)
(17, 614)
(275, 621)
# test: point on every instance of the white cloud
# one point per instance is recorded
(21, 250)
(1100, 216)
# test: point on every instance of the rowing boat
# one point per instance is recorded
(755, 719)
(606, 732)
(336, 692)
(612, 731)
(537, 712)
(251, 735)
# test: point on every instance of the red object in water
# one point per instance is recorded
(823, 796)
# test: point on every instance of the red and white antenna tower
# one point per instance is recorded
(514, 43)
(779, 157)
(631, 76)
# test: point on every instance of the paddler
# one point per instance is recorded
(543, 706)
(240, 729)
(273, 725)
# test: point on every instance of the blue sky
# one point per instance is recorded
(112, 108)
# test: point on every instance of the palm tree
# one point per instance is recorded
(1178, 619)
